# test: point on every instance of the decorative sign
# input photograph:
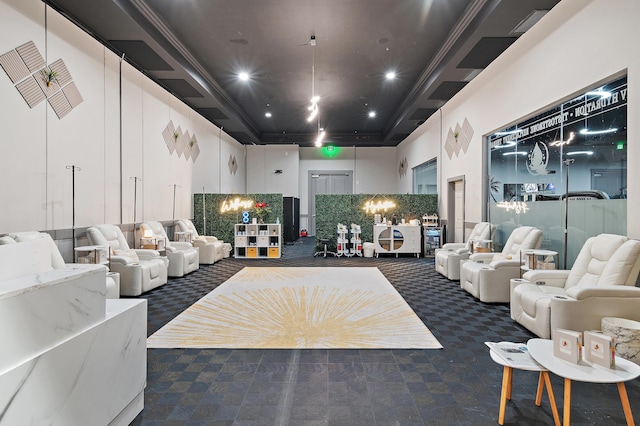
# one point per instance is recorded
(517, 206)
(591, 104)
(235, 205)
(374, 207)
(245, 216)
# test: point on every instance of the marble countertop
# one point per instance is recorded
(28, 283)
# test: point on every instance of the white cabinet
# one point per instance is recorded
(257, 240)
(397, 239)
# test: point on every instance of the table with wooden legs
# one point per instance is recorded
(542, 351)
(507, 380)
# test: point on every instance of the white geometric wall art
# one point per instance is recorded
(60, 104)
(449, 143)
(31, 91)
(402, 167)
(195, 152)
(14, 66)
(457, 147)
(467, 131)
(27, 70)
(31, 56)
(186, 139)
(459, 139)
(181, 143)
(233, 164)
(168, 136)
(191, 147)
(177, 134)
(72, 94)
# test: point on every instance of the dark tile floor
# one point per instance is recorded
(455, 385)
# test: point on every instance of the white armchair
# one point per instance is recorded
(487, 276)
(140, 270)
(57, 261)
(600, 284)
(183, 257)
(447, 259)
(211, 249)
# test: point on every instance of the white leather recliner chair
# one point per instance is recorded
(183, 257)
(211, 249)
(447, 259)
(140, 270)
(600, 284)
(57, 261)
(487, 276)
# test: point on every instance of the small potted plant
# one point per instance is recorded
(49, 75)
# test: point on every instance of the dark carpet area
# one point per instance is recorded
(459, 384)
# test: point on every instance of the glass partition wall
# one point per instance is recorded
(564, 171)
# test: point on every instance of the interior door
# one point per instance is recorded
(326, 182)
(458, 211)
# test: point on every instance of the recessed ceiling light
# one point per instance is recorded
(390, 75)
(267, 114)
(243, 76)
(372, 114)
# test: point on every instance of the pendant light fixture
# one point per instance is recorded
(313, 107)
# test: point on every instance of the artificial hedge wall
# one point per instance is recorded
(221, 225)
(332, 209)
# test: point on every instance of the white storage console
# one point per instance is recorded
(397, 239)
(69, 355)
(257, 240)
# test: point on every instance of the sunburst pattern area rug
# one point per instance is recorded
(305, 308)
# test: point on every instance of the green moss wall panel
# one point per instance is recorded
(332, 209)
(219, 224)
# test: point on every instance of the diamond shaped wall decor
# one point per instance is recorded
(458, 139)
(35, 81)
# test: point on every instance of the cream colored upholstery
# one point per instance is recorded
(600, 284)
(183, 257)
(487, 275)
(135, 278)
(211, 249)
(57, 261)
(447, 259)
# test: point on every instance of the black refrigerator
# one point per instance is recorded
(291, 219)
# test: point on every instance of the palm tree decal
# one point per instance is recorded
(494, 186)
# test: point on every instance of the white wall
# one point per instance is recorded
(557, 58)
(38, 146)
(263, 160)
(421, 146)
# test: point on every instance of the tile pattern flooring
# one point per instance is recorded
(456, 385)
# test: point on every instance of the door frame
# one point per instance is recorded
(451, 199)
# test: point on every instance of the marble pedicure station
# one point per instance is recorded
(68, 355)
